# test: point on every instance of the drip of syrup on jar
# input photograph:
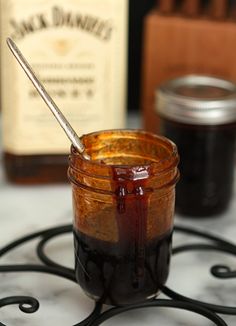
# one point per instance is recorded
(131, 215)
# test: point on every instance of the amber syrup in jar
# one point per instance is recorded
(123, 214)
(199, 114)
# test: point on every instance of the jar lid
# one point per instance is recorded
(196, 99)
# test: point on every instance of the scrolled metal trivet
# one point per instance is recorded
(97, 317)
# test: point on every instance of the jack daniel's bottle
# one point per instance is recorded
(78, 50)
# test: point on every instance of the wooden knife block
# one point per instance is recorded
(176, 45)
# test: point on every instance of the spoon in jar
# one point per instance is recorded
(64, 123)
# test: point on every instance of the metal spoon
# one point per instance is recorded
(71, 134)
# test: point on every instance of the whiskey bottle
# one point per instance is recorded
(78, 50)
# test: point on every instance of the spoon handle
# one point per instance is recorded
(74, 138)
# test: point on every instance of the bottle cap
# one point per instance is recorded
(197, 99)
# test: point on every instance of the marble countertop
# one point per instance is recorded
(26, 209)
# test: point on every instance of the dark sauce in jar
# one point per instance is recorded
(133, 268)
(123, 211)
(207, 166)
(198, 113)
(108, 274)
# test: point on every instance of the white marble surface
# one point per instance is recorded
(25, 209)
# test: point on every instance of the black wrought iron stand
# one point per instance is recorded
(97, 317)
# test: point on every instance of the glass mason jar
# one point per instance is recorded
(198, 113)
(123, 200)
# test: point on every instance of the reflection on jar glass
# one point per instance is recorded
(199, 114)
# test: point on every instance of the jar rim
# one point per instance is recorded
(172, 148)
(176, 100)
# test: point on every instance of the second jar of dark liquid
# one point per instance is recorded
(199, 114)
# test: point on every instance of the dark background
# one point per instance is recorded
(137, 10)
